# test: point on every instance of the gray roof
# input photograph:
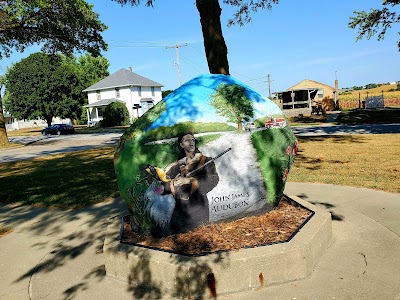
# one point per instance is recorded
(103, 102)
(122, 78)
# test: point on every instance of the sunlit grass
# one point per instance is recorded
(10, 145)
(25, 132)
(368, 161)
(68, 180)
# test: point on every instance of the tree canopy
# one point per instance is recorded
(89, 70)
(43, 86)
(58, 25)
(231, 101)
(210, 12)
(376, 21)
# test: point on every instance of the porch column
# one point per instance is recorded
(88, 113)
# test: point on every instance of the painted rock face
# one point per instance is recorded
(212, 150)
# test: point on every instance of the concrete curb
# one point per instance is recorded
(223, 272)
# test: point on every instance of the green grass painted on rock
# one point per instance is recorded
(271, 146)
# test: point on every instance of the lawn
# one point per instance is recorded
(368, 161)
(69, 180)
(77, 179)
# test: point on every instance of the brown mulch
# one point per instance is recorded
(272, 227)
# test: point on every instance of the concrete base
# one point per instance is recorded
(162, 273)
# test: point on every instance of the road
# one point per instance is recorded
(48, 145)
(41, 146)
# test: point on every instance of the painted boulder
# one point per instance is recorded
(212, 150)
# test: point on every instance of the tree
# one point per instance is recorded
(231, 101)
(210, 12)
(43, 86)
(115, 114)
(89, 70)
(57, 24)
(3, 132)
(377, 21)
(166, 93)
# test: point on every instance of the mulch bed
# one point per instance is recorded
(275, 226)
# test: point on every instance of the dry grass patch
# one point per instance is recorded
(25, 132)
(368, 161)
(10, 145)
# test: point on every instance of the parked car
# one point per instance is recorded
(275, 123)
(249, 126)
(58, 129)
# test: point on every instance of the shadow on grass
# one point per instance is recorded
(369, 116)
(71, 181)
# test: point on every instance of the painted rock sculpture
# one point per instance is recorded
(212, 150)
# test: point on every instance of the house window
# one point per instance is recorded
(320, 94)
(139, 89)
(98, 95)
(146, 105)
(117, 94)
(99, 112)
(152, 90)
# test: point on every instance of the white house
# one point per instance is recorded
(137, 92)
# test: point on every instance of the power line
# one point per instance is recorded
(192, 62)
(177, 46)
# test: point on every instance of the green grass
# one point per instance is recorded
(369, 116)
(72, 180)
(77, 179)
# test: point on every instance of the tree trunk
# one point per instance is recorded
(3, 131)
(49, 119)
(214, 43)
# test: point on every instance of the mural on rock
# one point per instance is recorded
(211, 151)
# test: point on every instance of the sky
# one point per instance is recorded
(296, 40)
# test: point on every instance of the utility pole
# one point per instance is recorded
(269, 86)
(177, 59)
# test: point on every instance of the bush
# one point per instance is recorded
(115, 114)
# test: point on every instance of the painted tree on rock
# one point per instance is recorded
(231, 102)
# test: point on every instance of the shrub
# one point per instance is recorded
(115, 114)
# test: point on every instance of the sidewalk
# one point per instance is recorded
(55, 254)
